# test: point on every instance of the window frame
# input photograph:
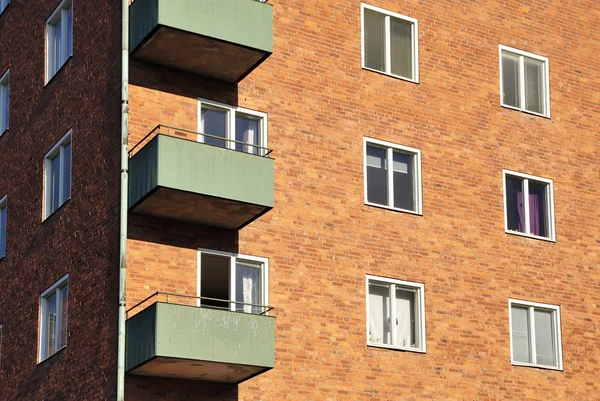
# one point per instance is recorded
(233, 257)
(57, 151)
(388, 50)
(557, 338)
(57, 15)
(3, 233)
(550, 195)
(56, 288)
(232, 112)
(3, 5)
(390, 147)
(419, 288)
(4, 101)
(522, 55)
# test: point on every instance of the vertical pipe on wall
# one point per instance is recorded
(124, 198)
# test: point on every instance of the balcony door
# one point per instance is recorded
(231, 281)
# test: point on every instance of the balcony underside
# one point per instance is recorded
(191, 207)
(198, 370)
(199, 54)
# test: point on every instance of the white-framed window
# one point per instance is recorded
(3, 217)
(4, 101)
(524, 81)
(535, 338)
(57, 172)
(392, 176)
(54, 307)
(233, 281)
(59, 38)
(390, 43)
(232, 127)
(3, 5)
(395, 314)
(528, 205)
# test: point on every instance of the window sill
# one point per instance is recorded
(52, 356)
(3, 11)
(414, 81)
(520, 234)
(3, 132)
(62, 67)
(531, 365)
(395, 209)
(525, 111)
(386, 346)
(55, 211)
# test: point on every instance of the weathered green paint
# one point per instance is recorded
(199, 168)
(188, 332)
(245, 22)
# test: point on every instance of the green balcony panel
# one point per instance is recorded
(189, 342)
(194, 182)
(219, 39)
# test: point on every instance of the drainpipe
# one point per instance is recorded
(124, 198)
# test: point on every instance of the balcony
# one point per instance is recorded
(219, 39)
(170, 336)
(190, 181)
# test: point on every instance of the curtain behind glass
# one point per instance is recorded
(515, 212)
(247, 131)
(401, 44)
(405, 318)
(520, 334)
(377, 190)
(374, 46)
(544, 338)
(58, 60)
(534, 86)
(214, 123)
(404, 181)
(51, 329)
(55, 182)
(379, 313)
(248, 287)
(510, 80)
(538, 209)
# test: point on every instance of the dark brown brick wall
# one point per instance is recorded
(81, 238)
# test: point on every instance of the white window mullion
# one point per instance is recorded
(522, 82)
(389, 155)
(388, 45)
(393, 327)
(232, 283)
(526, 205)
(230, 130)
(531, 318)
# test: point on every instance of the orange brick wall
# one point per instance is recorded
(321, 240)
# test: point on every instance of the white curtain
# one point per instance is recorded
(544, 338)
(379, 313)
(405, 307)
(520, 334)
(248, 278)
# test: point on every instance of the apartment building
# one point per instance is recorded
(332, 200)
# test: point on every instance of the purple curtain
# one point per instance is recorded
(521, 212)
(534, 214)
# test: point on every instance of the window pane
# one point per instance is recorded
(55, 183)
(379, 313)
(538, 209)
(544, 338)
(215, 124)
(401, 44)
(377, 191)
(404, 181)
(510, 80)
(2, 231)
(69, 26)
(374, 46)
(247, 131)
(248, 286)
(51, 329)
(515, 212)
(66, 172)
(405, 318)
(520, 334)
(534, 86)
(64, 293)
(57, 29)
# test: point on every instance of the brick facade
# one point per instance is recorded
(320, 238)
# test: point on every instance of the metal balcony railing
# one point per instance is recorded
(199, 302)
(184, 134)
